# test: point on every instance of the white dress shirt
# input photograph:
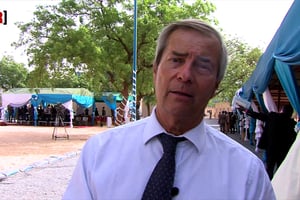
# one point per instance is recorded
(117, 163)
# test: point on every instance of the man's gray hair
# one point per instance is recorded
(197, 25)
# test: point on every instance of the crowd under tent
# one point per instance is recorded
(19, 97)
(276, 78)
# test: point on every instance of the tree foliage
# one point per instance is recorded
(12, 74)
(41, 77)
(95, 38)
(242, 62)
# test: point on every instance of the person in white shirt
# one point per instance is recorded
(189, 65)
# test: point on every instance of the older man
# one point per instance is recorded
(173, 153)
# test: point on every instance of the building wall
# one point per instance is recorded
(219, 107)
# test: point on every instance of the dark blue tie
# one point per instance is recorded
(161, 181)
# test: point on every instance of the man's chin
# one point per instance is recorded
(184, 111)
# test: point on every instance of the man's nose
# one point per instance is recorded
(185, 72)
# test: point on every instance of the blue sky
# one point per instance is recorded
(254, 21)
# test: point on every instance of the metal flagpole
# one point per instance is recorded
(134, 69)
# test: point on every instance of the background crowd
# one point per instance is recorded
(272, 132)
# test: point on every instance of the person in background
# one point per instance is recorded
(120, 163)
(252, 127)
(103, 116)
(233, 119)
(96, 112)
(277, 137)
(86, 112)
(245, 136)
(222, 121)
(259, 129)
(242, 120)
(227, 122)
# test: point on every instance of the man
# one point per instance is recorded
(189, 64)
(103, 116)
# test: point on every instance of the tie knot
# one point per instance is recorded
(169, 142)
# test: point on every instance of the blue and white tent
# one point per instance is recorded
(18, 97)
(278, 69)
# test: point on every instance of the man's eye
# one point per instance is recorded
(177, 60)
(202, 64)
(204, 68)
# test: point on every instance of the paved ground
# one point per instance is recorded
(49, 179)
(46, 182)
(237, 137)
(24, 145)
(33, 165)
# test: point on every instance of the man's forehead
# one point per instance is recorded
(190, 53)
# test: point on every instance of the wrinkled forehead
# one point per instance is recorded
(192, 40)
(186, 43)
(164, 39)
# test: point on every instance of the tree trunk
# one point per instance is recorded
(121, 112)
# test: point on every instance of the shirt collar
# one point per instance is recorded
(196, 136)
(153, 128)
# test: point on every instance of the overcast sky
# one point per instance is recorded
(254, 21)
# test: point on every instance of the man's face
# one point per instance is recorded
(186, 77)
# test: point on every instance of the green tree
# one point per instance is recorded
(242, 61)
(12, 74)
(42, 77)
(38, 78)
(96, 37)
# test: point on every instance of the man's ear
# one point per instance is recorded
(216, 90)
(154, 67)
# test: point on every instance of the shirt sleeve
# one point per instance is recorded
(257, 115)
(259, 183)
(78, 187)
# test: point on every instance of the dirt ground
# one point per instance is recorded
(21, 146)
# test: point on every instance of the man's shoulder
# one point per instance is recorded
(117, 135)
(126, 129)
(227, 144)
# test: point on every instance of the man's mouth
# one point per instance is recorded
(181, 93)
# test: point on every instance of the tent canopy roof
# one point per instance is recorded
(278, 68)
(277, 91)
(18, 97)
(72, 91)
